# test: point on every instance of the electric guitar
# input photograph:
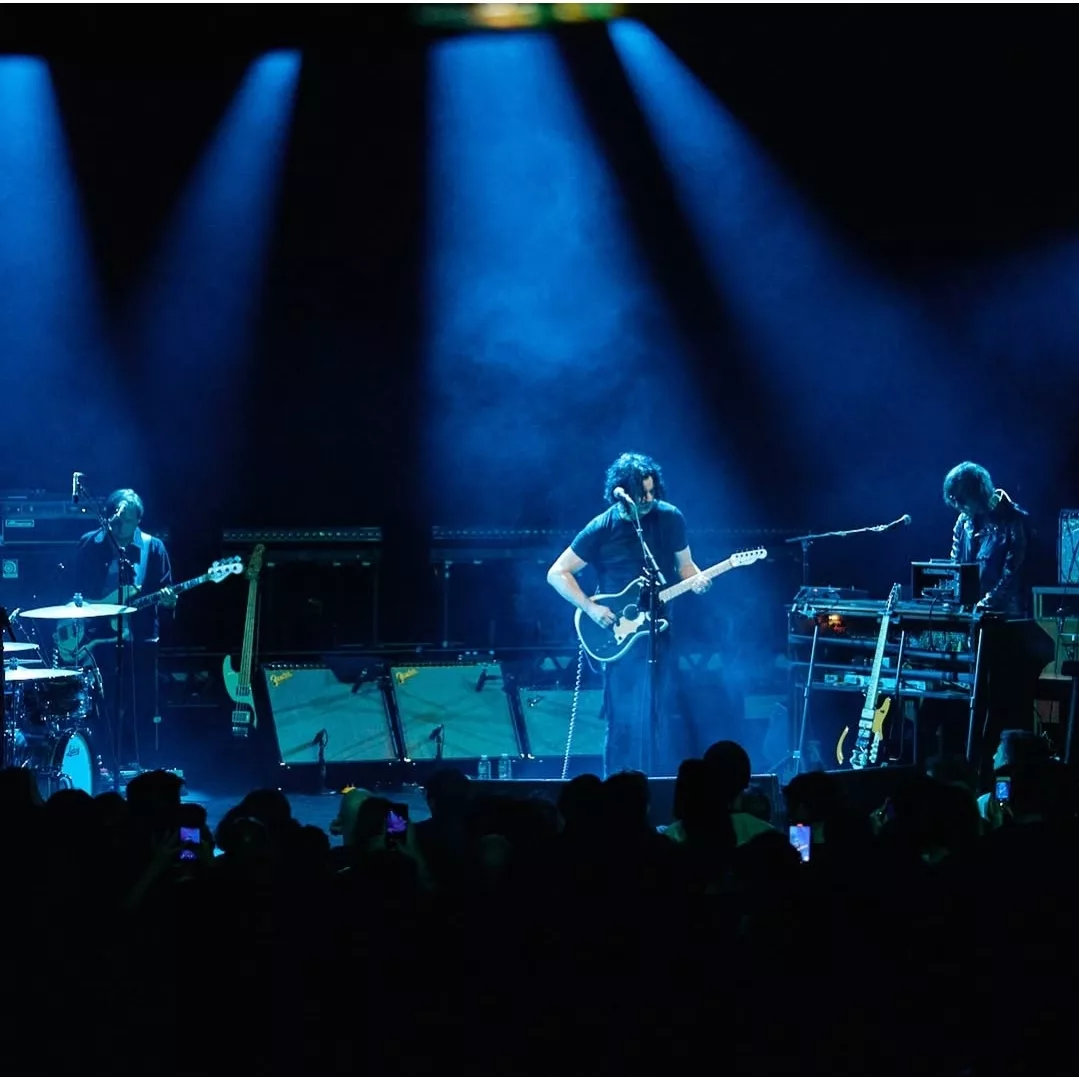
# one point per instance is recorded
(871, 724)
(633, 618)
(71, 638)
(238, 682)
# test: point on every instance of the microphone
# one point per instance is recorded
(119, 511)
(482, 680)
(620, 495)
(903, 521)
(76, 485)
(436, 732)
(320, 739)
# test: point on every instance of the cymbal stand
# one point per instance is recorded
(9, 742)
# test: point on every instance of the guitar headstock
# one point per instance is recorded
(221, 570)
(747, 557)
(893, 597)
(254, 562)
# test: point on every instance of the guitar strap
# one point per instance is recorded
(144, 559)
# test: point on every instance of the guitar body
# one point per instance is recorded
(73, 640)
(629, 606)
(239, 691)
(870, 735)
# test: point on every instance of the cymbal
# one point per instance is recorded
(71, 612)
(25, 674)
(18, 648)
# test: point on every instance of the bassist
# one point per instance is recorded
(609, 544)
(97, 573)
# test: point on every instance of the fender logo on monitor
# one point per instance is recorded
(280, 678)
(403, 675)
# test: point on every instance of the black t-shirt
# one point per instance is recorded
(609, 544)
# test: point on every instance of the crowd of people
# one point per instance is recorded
(514, 935)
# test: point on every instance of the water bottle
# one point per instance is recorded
(505, 771)
(484, 773)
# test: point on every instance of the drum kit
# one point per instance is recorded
(50, 714)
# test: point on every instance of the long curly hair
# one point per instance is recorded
(629, 471)
(967, 483)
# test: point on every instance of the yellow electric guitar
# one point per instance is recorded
(238, 682)
(871, 725)
(72, 640)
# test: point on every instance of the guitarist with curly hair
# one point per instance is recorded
(609, 544)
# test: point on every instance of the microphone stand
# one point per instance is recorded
(122, 567)
(654, 581)
(807, 540)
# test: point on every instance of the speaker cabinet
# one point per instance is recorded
(546, 713)
(346, 701)
(466, 706)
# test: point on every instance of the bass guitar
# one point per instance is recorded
(632, 615)
(871, 724)
(71, 639)
(238, 682)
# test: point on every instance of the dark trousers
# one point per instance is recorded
(1014, 654)
(124, 728)
(632, 740)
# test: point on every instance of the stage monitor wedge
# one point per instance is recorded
(546, 713)
(346, 701)
(464, 704)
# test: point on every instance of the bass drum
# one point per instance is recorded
(65, 761)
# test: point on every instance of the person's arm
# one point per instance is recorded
(168, 600)
(687, 569)
(562, 576)
(958, 537)
(998, 595)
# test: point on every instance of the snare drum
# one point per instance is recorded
(53, 696)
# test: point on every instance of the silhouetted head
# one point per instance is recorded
(580, 801)
(448, 793)
(968, 488)
(625, 798)
(729, 765)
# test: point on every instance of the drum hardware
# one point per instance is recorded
(18, 647)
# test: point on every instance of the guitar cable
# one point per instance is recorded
(573, 710)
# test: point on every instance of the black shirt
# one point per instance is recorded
(93, 574)
(610, 545)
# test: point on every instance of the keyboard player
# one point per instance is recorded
(993, 532)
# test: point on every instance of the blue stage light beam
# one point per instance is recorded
(548, 349)
(840, 339)
(193, 323)
(61, 404)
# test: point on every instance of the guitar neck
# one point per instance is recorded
(249, 634)
(683, 586)
(873, 686)
(176, 588)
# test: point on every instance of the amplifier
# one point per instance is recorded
(464, 707)
(42, 521)
(1068, 547)
(338, 712)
